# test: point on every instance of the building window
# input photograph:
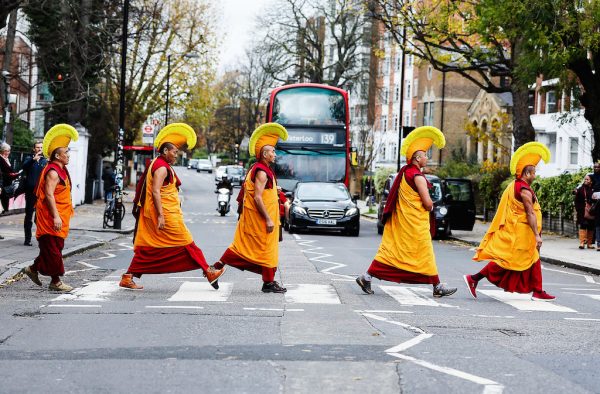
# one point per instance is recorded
(415, 87)
(396, 92)
(395, 122)
(394, 152)
(552, 147)
(407, 82)
(429, 72)
(406, 118)
(409, 60)
(551, 102)
(383, 122)
(386, 95)
(386, 66)
(428, 114)
(531, 102)
(573, 150)
(414, 118)
(398, 62)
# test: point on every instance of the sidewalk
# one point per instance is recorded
(556, 250)
(86, 232)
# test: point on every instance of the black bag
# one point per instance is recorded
(16, 187)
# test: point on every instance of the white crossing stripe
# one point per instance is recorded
(95, 291)
(592, 296)
(311, 294)
(202, 291)
(413, 296)
(524, 302)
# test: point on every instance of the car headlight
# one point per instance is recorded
(443, 211)
(351, 212)
(299, 210)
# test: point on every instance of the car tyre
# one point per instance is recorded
(353, 232)
(379, 229)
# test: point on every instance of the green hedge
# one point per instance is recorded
(557, 191)
(381, 174)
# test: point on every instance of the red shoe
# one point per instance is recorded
(471, 284)
(542, 296)
(128, 283)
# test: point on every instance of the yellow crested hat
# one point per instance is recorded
(266, 134)
(422, 138)
(528, 154)
(179, 134)
(59, 136)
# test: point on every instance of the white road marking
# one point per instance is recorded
(311, 294)
(495, 316)
(577, 289)
(408, 344)
(524, 302)
(71, 306)
(203, 291)
(588, 278)
(397, 323)
(274, 309)
(380, 311)
(581, 319)
(95, 291)
(174, 307)
(321, 257)
(296, 236)
(185, 277)
(413, 296)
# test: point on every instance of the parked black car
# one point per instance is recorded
(323, 206)
(453, 200)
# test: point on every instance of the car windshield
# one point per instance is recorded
(293, 166)
(204, 161)
(235, 171)
(436, 191)
(322, 191)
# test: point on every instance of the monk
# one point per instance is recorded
(405, 254)
(54, 208)
(162, 242)
(514, 238)
(255, 245)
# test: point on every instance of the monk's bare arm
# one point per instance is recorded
(51, 182)
(531, 218)
(157, 181)
(421, 184)
(260, 181)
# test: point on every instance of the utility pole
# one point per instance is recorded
(119, 153)
(8, 50)
(168, 86)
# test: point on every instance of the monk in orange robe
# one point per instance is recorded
(405, 254)
(514, 238)
(54, 208)
(162, 242)
(255, 245)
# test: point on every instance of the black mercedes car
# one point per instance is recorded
(323, 206)
(453, 200)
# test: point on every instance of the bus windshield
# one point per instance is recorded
(309, 106)
(293, 166)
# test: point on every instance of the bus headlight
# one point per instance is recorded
(351, 212)
(443, 211)
(299, 210)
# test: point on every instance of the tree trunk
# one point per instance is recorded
(592, 115)
(523, 130)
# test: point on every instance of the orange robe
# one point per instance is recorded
(51, 242)
(406, 250)
(253, 248)
(171, 249)
(510, 244)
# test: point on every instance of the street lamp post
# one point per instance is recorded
(119, 153)
(401, 114)
(191, 55)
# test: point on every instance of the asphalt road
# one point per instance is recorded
(324, 335)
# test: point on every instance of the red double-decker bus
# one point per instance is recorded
(318, 123)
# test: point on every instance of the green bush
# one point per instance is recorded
(557, 191)
(381, 174)
(458, 169)
(490, 185)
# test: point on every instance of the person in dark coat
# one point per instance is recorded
(587, 226)
(8, 174)
(32, 168)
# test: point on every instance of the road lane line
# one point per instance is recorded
(95, 291)
(524, 302)
(413, 296)
(275, 309)
(588, 278)
(72, 306)
(305, 293)
(174, 307)
(581, 319)
(380, 311)
(397, 323)
(203, 291)
(408, 344)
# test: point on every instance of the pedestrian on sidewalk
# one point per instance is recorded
(162, 242)
(255, 245)
(54, 208)
(32, 168)
(585, 213)
(405, 254)
(596, 199)
(8, 175)
(513, 240)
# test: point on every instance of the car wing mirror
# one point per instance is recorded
(355, 197)
(289, 195)
(386, 192)
(449, 197)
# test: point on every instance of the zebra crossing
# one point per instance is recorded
(189, 293)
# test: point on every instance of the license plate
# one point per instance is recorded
(327, 221)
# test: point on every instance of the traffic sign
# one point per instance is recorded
(148, 129)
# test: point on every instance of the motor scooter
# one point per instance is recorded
(223, 199)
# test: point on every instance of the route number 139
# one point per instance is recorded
(328, 138)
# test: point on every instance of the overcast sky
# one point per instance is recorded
(235, 30)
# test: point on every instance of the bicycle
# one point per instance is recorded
(109, 211)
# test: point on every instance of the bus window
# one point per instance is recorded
(309, 106)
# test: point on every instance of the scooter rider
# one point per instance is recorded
(225, 183)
